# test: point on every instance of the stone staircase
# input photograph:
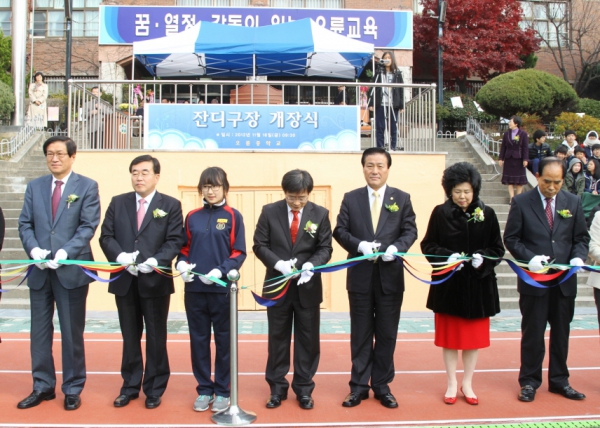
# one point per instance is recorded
(494, 194)
(14, 176)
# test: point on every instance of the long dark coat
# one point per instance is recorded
(469, 293)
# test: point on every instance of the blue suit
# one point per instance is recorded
(67, 286)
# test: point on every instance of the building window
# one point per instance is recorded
(548, 19)
(49, 18)
(215, 3)
(5, 14)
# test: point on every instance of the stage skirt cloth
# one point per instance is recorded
(454, 332)
(513, 172)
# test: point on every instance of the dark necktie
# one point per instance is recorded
(56, 198)
(294, 227)
(549, 213)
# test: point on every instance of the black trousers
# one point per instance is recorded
(597, 300)
(307, 347)
(374, 318)
(537, 311)
(204, 310)
(135, 311)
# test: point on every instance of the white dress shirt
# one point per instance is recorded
(148, 199)
(64, 181)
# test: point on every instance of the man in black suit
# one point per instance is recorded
(372, 217)
(546, 224)
(143, 225)
(289, 233)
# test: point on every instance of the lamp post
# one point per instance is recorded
(441, 19)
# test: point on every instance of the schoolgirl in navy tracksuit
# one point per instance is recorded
(215, 245)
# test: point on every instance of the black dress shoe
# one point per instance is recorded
(567, 392)
(306, 402)
(527, 393)
(124, 399)
(152, 402)
(387, 400)
(35, 398)
(275, 400)
(72, 402)
(354, 398)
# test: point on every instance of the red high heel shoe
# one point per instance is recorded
(450, 400)
(473, 401)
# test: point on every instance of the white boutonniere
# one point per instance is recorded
(477, 215)
(311, 228)
(158, 213)
(70, 199)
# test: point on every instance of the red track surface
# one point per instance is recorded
(419, 386)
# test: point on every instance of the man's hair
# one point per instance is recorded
(297, 181)
(569, 132)
(550, 160)
(579, 149)
(537, 135)
(146, 158)
(562, 149)
(71, 146)
(213, 176)
(595, 146)
(373, 151)
(94, 87)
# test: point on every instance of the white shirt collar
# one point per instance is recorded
(544, 198)
(381, 191)
(64, 179)
(148, 198)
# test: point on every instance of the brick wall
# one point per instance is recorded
(49, 56)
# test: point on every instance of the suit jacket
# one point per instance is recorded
(161, 238)
(394, 228)
(95, 120)
(527, 234)
(72, 229)
(514, 149)
(273, 242)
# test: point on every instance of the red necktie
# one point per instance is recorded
(56, 198)
(549, 213)
(294, 227)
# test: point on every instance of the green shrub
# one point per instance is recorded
(451, 114)
(581, 125)
(528, 91)
(531, 123)
(589, 106)
(7, 101)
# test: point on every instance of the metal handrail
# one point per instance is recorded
(490, 145)
(8, 148)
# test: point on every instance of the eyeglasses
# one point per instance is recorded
(300, 199)
(60, 155)
(144, 173)
(209, 188)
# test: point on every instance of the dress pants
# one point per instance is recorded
(536, 311)
(374, 315)
(381, 112)
(70, 305)
(202, 310)
(134, 312)
(307, 350)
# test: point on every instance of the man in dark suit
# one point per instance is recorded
(372, 217)
(289, 233)
(60, 214)
(143, 225)
(546, 224)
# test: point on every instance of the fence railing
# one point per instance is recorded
(56, 84)
(9, 147)
(490, 144)
(97, 125)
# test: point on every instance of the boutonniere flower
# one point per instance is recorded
(311, 228)
(392, 208)
(564, 213)
(70, 199)
(477, 215)
(516, 139)
(158, 213)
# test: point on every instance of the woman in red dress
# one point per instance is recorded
(464, 302)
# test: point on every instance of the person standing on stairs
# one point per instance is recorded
(514, 156)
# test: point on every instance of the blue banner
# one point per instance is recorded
(128, 24)
(251, 127)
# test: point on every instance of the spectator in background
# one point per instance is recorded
(596, 151)
(514, 157)
(590, 139)
(215, 101)
(570, 141)
(580, 154)
(38, 93)
(561, 152)
(164, 101)
(342, 98)
(574, 179)
(200, 101)
(538, 150)
(592, 174)
(95, 113)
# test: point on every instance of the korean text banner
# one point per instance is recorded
(127, 24)
(251, 127)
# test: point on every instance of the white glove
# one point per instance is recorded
(368, 248)
(184, 269)
(38, 254)
(477, 260)
(215, 273)
(389, 254)
(454, 258)
(576, 262)
(147, 266)
(307, 273)
(286, 267)
(535, 264)
(127, 259)
(60, 255)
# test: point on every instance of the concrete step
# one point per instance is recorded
(11, 232)
(9, 196)
(14, 303)
(13, 253)
(11, 222)
(12, 187)
(11, 213)
(11, 203)
(15, 291)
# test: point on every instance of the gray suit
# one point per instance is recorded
(67, 286)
